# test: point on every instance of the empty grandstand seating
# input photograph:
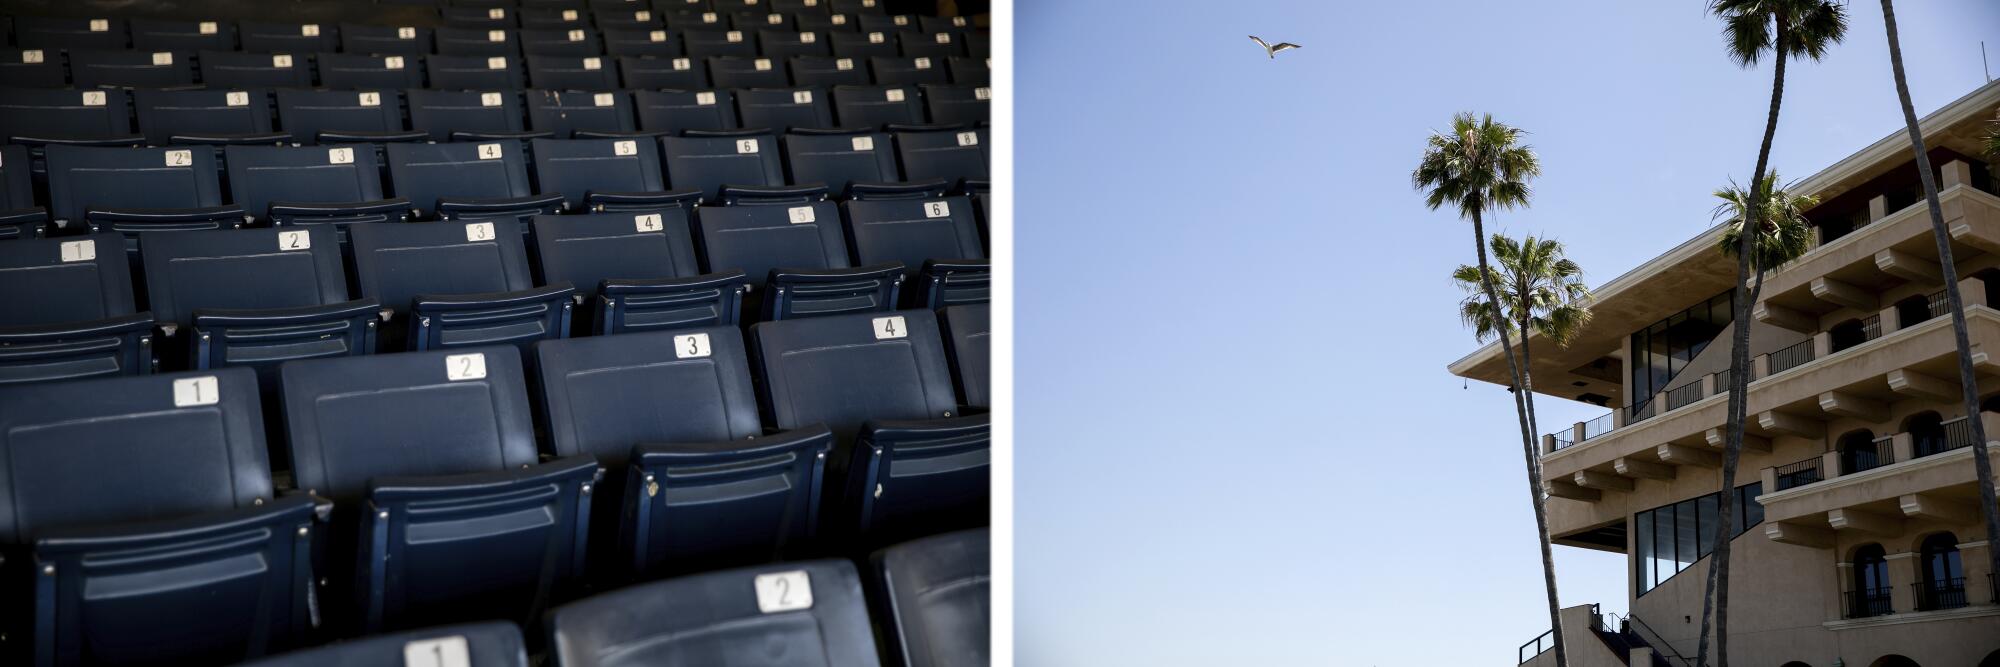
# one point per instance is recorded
(805, 613)
(931, 593)
(488, 644)
(968, 342)
(791, 239)
(255, 297)
(457, 284)
(66, 311)
(637, 271)
(935, 237)
(840, 158)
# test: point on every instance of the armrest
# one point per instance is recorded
(433, 303)
(362, 137)
(940, 266)
(971, 187)
(773, 194)
(230, 215)
(926, 429)
(718, 280)
(816, 437)
(864, 191)
(739, 132)
(322, 507)
(548, 203)
(249, 139)
(24, 223)
(228, 317)
(464, 135)
(20, 215)
(882, 271)
(292, 509)
(381, 207)
(622, 201)
(603, 134)
(568, 468)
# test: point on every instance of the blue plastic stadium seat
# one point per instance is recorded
(158, 35)
(34, 32)
(858, 6)
(500, 15)
(861, 45)
(704, 487)
(821, 21)
(631, 15)
(575, 42)
(933, 44)
(711, 43)
(18, 210)
(467, 180)
(912, 71)
(443, 511)
(602, 174)
(649, 42)
(959, 104)
(968, 332)
(881, 382)
(709, 160)
(229, 69)
(483, 41)
(292, 38)
(782, 45)
(454, 284)
(336, 185)
(256, 297)
(748, 617)
(32, 68)
(790, 239)
(885, 22)
(466, 115)
(546, 18)
(672, 111)
(951, 24)
(935, 237)
(66, 311)
(580, 73)
(780, 109)
(384, 40)
(356, 71)
(931, 594)
(975, 71)
(497, 72)
(952, 154)
(838, 159)
(215, 115)
(565, 113)
(145, 507)
(337, 116)
(64, 114)
(979, 43)
(664, 73)
(487, 644)
(760, 18)
(747, 72)
(109, 69)
(135, 190)
(798, 8)
(638, 269)
(871, 107)
(829, 71)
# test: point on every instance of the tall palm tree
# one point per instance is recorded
(1478, 166)
(1968, 382)
(1541, 291)
(1783, 29)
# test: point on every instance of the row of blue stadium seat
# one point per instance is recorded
(219, 117)
(139, 69)
(421, 495)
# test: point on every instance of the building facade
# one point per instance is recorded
(1858, 537)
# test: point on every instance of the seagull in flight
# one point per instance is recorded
(1273, 49)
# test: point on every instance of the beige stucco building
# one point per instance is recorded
(1864, 545)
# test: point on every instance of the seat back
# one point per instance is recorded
(442, 112)
(241, 269)
(484, 16)
(949, 154)
(32, 68)
(932, 594)
(158, 35)
(602, 395)
(829, 71)
(707, 43)
(912, 230)
(626, 15)
(933, 44)
(482, 41)
(164, 114)
(970, 71)
(748, 72)
(908, 71)
(396, 263)
(360, 71)
(585, 250)
(837, 160)
(306, 113)
(552, 73)
(862, 44)
(959, 104)
(293, 38)
(968, 342)
(709, 160)
(577, 42)
(131, 178)
(158, 69)
(843, 370)
(650, 42)
(64, 114)
(672, 111)
(36, 32)
(871, 107)
(780, 109)
(821, 20)
(664, 73)
(64, 280)
(488, 644)
(17, 184)
(229, 69)
(260, 175)
(563, 113)
(423, 173)
(780, 45)
(575, 167)
(473, 72)
(384, 40)
(552, 17)
(747, 616)
(757, 238)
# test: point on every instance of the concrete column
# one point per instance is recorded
(1955, 172)
(1844, 586)
(1978, 588)
(1822, 344)
(1815, 239)
(1902, 573)
(1769, 476)
(1548, 444)
(1878, 208)
(1903, 446)
(1576, 432)
(1892, 321)
(1618, 413)
(1829, 465)
(1972, 291)
(1760, 366)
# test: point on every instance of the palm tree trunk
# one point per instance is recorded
(1528, 445)
(1967, 379)
(1528, 374)
(1715, 600)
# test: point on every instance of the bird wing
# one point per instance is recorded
(1281, 46)
(1260, 42)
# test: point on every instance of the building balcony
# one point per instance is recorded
(1867, 602)
(1943, 594)
(1874, 488)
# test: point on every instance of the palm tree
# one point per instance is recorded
(1541, 291)
(1476, 167)
(1968, 382)
(1784, 29)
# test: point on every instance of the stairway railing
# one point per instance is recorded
(1661, 648)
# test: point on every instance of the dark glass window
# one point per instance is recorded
(1665, 348)
(1669, 538)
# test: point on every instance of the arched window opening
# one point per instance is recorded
(1893, 660)
(1855, 332)
(1926, 431)
(1869, 592)
(1861, 450)
(1913, 310)
(1941, 575)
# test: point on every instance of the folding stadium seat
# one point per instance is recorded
(545, 18)
(353, 71)
(871, 107)
(475, 72)
(575, 42)
(576, 5)
(879, 22)
(467, 181)
(481, 41)
(979, 44)
(572, 72)
(637, 16)
(823, 23)
(638, 269)
(780, 45)
(255, 297)
(34, 32)
(457, 283)
(781, 108)
(32, 68)
(950, 154)
(17, 186)
(664, 73)
(970, 71)
(671, 111)
(857, 7)
(840, 158)
(739, 6)
(126, 69)
(134, 190)
(146, 505)
(705, 487)
(467, 115)
(485, 644)
(933, 45)
(564, 113)
(474, 528)
(215, 115)
(880, 382)
(709, 160)
(951, 24)
(186, 36)
(801, 7)
(717, 43)
(229, 69)
(931, 596)
(384, 40)
(761, 20)
(968, 342)
(860, 45)
(801, 613)
(599, 175)
(791, 240)
(828, 71)
(343, 115)
(934, 237)
(66, 311)
(641, 42)
(959, 104)
(734, 72)
(702, 20)
(296, 38)
(908, 70)
(499, 16)
(293, 185)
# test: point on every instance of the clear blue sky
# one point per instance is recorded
(1237, 443)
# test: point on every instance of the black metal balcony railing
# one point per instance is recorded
(1957, 433)
(1871, 328)
(1596, 427)
(1562, 440)
(1791, 357)
(1798, 474)
(1946, 594)
(1938, 303)
(1536, 646)
(1873, 455)
(1722, 381)
(1683, 395)
(1867, 602)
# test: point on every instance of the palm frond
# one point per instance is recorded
(1783, 233)
(1533, 281)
